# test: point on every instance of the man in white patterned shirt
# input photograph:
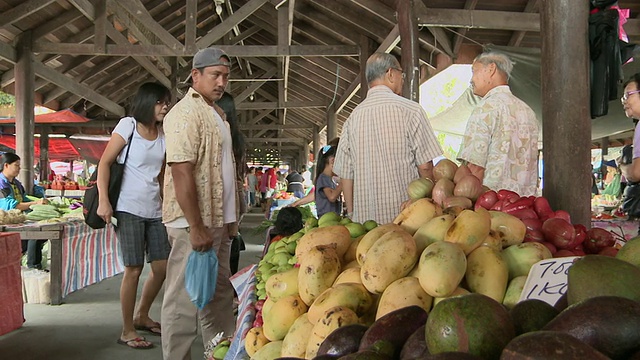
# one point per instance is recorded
(500, 144)
(386, 142)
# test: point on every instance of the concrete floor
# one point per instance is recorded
(88, 323)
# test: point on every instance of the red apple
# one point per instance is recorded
(559, 232)
(563, 253)
(608, 251)
(552, 248)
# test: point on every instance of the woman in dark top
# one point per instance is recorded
(327, 191)
(295, 184)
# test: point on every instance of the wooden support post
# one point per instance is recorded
(44, 153)
(174, 79)
(332, 123)
(304, 158)
(100, 24)
(316, 149)
(25, 127)
(408, 24)
(190, 26)
(565, 107)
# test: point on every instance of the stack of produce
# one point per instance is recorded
(43, 212)
(440, 280)
(13, 216)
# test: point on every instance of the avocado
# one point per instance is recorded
(532, 315)
(394, 327)
(343, 341)
(472, 323)
(452, 355)
(549, 345)
(598, 275)
(562, 303)
(416, 345)
(630, 252)
(366, 355)
(610, 324)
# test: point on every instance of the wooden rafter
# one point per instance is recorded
(21, 11)
(516, 37)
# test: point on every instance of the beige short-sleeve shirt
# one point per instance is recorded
(192, 135)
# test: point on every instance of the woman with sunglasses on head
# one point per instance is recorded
(326, 190)
(138, 212)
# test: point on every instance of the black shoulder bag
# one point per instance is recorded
(91, 196)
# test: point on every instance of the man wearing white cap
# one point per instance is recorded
(199, 204)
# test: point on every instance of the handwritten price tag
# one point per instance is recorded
(547, 280)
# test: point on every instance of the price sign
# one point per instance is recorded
(547, 280)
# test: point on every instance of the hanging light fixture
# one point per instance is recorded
(218, 6)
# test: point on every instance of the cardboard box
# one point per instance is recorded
(11, 303)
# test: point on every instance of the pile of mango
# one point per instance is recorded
(435, 281)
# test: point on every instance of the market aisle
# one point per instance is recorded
(87, 325)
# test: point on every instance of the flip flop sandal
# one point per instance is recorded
(132, 343)
(150, 329)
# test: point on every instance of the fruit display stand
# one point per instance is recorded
(80, 255)
(11, 304)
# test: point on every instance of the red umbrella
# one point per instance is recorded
(64, 148)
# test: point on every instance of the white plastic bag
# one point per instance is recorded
(200, 277)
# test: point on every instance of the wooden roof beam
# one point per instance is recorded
(21, 11)
(223, 28)
(61, 80)
(56, 23)
(516, 37)
(459, 38)
(275, 105)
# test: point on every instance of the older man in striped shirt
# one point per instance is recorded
(386, 142)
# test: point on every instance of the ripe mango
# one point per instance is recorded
(442, 266)
(459, 291)
(350, 295)
(521, 257)
(630, 252)
(332, 319)
(351, 275)
(338, 235)
(350, 255)
(319, 268)
(432, 231)
(282, 315)
(469, 229)
(370, 238)
(282, 284)
(270, 351)
(255, 340)
(295, 342)
(417, 214)
(402, 293)
(390, 258)
(514, 291)
(508, 228)
(487, 273)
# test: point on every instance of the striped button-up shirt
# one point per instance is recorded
(383, 141)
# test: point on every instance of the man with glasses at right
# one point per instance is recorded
(500, 143)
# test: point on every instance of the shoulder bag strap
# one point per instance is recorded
(126, 155)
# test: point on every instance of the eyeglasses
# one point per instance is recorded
(325, 149)
(626, 95)
(401, 72)
(163, 102)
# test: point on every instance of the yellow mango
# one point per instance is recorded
(370, 238)
(295, 342)
(351, 253)
(282, 315)
(492, 241)
(332, 319)
(487, 273)
(442, 266)
(469, 229)
(457, 292)
(338, 235)
(351, 275)
(266, 307)
(389, 259)
(255, 340)
(270, 351)
(282, 284)
(432, 231)
(417, 214)
(402, 293)
(508, 228)
(319, 268)
(350, 295)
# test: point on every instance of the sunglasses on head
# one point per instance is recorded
(325, 149)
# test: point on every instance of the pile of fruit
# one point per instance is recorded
(13, 216)
(445, 277)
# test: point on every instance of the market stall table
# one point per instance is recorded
(80, 255)
(11, 308)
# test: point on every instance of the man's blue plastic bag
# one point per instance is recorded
(200, 277)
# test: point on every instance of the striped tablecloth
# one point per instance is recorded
(88, 256)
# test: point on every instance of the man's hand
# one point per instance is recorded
(105, 211)
(200, 239)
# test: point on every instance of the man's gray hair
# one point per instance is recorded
(378, 64)
(502, 61)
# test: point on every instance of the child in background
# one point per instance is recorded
(327, 191)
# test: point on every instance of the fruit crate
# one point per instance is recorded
(53, 192)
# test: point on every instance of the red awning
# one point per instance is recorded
(64, 148)
(62, 116)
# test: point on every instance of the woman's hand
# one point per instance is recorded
(105, 211)
(42, 202)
